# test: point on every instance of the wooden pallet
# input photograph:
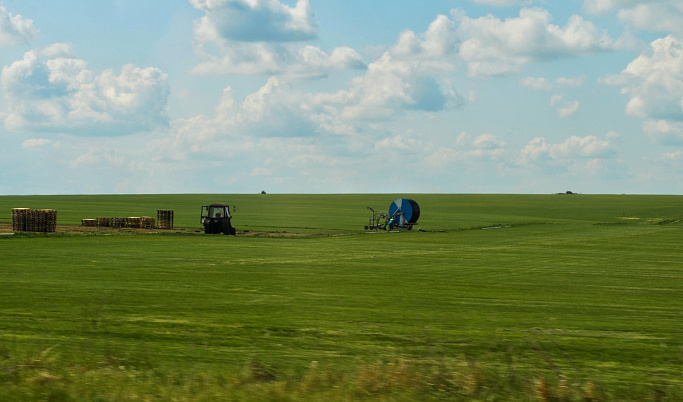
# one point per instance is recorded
(34, 220)
(164, 219)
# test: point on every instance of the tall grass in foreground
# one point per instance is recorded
(44, 376)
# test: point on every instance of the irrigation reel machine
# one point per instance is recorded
(403, 214)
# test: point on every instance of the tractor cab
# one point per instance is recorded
(216, 219)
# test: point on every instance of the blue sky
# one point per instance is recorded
(313, 96)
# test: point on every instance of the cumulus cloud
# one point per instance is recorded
(274, 111)
(577, 156)
(673, 156)
(601, 6)
(397, 142)
(263, 37)
(493, 47)
(661, 15)
(406, 75)
(653, 81)
(571, 81)
(36, 143)
(664, 132)
(543, 84)
(49, 90)
(504, 3)
(304, 61)
(382, 93)
(486, 147)
(536, 83)
(256, 20)
(270, 133)
(563, 107)
(487, 141)
(591, 147)
(15, 28)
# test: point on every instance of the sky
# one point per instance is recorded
(321, 96)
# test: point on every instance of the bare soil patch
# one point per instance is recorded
(6, 228)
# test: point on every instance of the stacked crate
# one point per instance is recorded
(89, 222)
(164, 219)
(148, 222)
(134, 222)
(103, 221)
(19, 219)
(30, 220)
(46, 220)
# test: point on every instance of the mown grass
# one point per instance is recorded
(501, 297)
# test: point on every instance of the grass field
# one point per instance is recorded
(497, 297)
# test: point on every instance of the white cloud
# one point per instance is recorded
(468, 150)
(673, 156)
(536, 83)
(564, 108)
(263, 37)
(613, 136)
(487, 141)
(576, 158)
(504, 3)
(543, 84)
(407, 76)
(664, 132)
(275, 113)
(653, 81)
(439, 41)
(655, 17)
(397, 142)
(36, 143)
(255, 20)
(590, 147)
(660, 15)
(493, 47)
(601, 6)
(51, 91)
(15, 28)
(571, 81)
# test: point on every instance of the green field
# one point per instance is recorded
(496, 297)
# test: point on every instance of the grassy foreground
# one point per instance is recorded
(500, 297)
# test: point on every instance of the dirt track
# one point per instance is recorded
(78, 229)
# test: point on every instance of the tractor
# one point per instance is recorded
(216, 219)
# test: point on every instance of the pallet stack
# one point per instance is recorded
(134, 222)
(19, 219)
(103, 222)
(118, 223)
(30, 220)
(131, 222)
(164, 219)
(148, 222)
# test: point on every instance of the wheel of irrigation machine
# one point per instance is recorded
(409, 208)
